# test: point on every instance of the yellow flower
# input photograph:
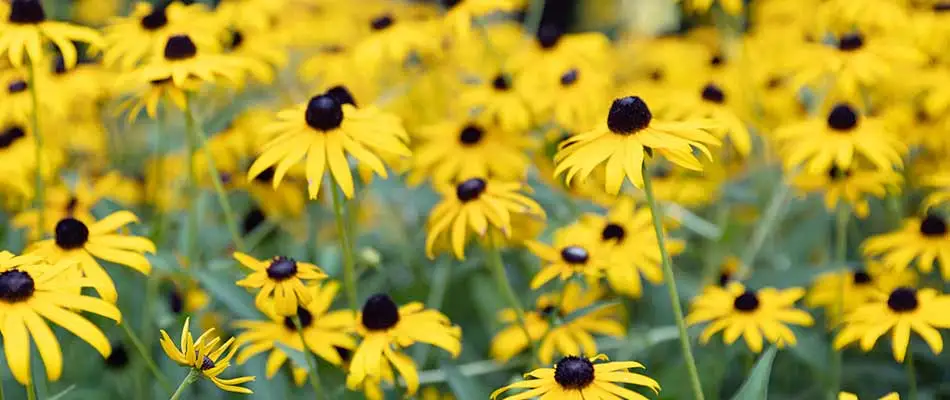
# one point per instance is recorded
(718, 102)
(924, 239)
(901, 311)
(576, 250)
(501, 100)
(579, 378)
(455, 150)
(183, 62)
(858, 286)
(574, 99)
(204, 356)
(143, 34)
(477, 205)
(26, 31)
(750, 313)
(852, 396)
(148, 94)
(62, 202)
(33, 290)
(627, 136)
(732, 7)
(75, 240)
(852, 186)
(281, 280)
(385, 329)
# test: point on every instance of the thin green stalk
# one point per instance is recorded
(670, 280)
(143, 351)
(30, 393)
(40, 198)
(768, 222)
(1, 390)
(497, 267)
(349, 267)
(191, 222)
(911, 376)
(311, 362)
(189, 379)
(841, 254)
(158, 156)
(441, 276)
(230, 218)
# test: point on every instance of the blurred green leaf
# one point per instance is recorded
(756, 386)
(464, 388)
(224, 290)
(599, 306)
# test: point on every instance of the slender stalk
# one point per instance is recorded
(670, 280)
(1, 390)
(230, 218)
(30, 392)
(191, 222)
(349, 267)
(841, 254)
(158, 156)
(189, 379)
(39, 183)
(143, 351)
(911, 376)
(771, 219)
(497, 267)
(442, 275)
(311, 362)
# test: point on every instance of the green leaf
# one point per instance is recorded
(589, 309)
(62, 394)
(298, 357)
(463, 387)
(756, 386)
(223, 290)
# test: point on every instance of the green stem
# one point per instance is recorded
(670, 280)
(189, 379)
(771, 219)
(311, 362)
(143, 351)
(40, 197)
(230, 218)
(30, 393)
(1, 390)
(441, 276)
(841, 255)
(158, 155)
(504, 285)
(911, 376)
(191, 223)
(349, 267)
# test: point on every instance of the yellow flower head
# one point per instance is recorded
(858, 286)
(575, 251)
(204, 355)
(921, 240)
(851, 186)
(281, 280)
(580, 378)
(455, 150)
(26, 31)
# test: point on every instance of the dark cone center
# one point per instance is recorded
(175, 302)
(306, 318)
(835, 173)
(382, 22)
(16, 286)
(851, 42)
(119, 357)
(252, 220)
(26, 12)
(933, 226)
(714, 94)
(282, 268)
(342, 95)
(380, 313)
(549, 36)
(628, 115)
(470, 189)
(501, 83)
(842, 118)
(206, 364)
(237, 39)
(471, 135)
(724, 279)
(902, 300)
(570, 77)
(746, 302)
(180, 47)
(941, 7)
(71, 234)
(613, 232)
(574, 373)
(17, 86)
(10, 136)
(860, 277)
(717, 60)
(574, 255)
(155, 20)
(324, 113)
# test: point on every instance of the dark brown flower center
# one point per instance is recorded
(860, 277)
(380, 313)
(851, 42)
(548, 36)
(155, 20)
(717, 60)
(842, 118)
(933, 226)
(902, 299)
(835, 173)
(746, 302)
(176, 303)
(118, 358)
(724, 279)
(382, 22)
(206, 364)
(628, 115)
(613, 232)
(324, 113)
(941, 7)
(306, 318)
(501, 83)
(570, 77)
(574, 373)
(26, 12)
(16, 285)
(471, 135)
(470, 190)
(713, 94)
(71, 234)
(237, 39)
(10, 136)
(17, 86)
(282, 268)
(180, 47)
(342, 95)
(575, 255)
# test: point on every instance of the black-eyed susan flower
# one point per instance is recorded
(581, 378)
(476, 205)
(732, 7)
(502, 100)
(143, 34)
(852, 396)
(324, 331)
(575, 251)
(720, 102)
(627, 136)
(456, 150)
(851, 186)
(17, 103)
(627, 236)
(62, 202)
(27, 30)
(204, 357)
(573, 100)
(842, 138)
(33, 291)
(547, 324)
(901, 311)
(924, 241)
(851, 289)
(550, 50)
(736, 311)
(386, 328)
(324, 131)
(182, 61)
(264, 51)
(392, 39)
(281, 280)
(147, 95)
(85, 243)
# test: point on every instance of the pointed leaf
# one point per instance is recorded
(756, 386)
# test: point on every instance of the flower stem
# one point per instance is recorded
(504, 285)
(841, 254)
(349, 267)
(311, 363)
(771, 219)
(158, 155)
(911, 376)
(670, 280)
(143, 351)
(230, 218)
(441, 276)
(191, 222)
(40, 196)
(189, 379)
(30, 391)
